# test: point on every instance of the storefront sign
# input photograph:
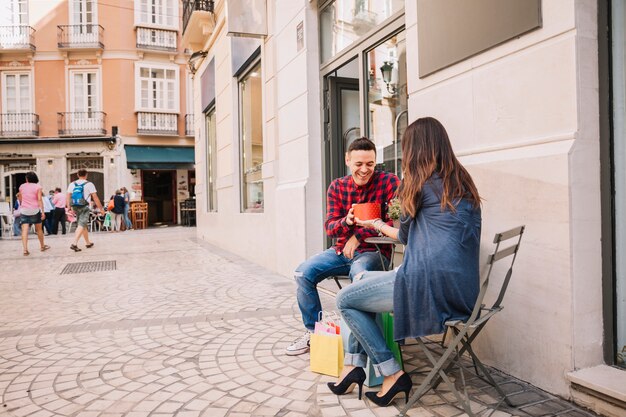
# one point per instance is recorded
(300, 36)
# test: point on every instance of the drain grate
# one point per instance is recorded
(83, 267)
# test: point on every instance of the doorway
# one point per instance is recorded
(12, 182)
(158, 191)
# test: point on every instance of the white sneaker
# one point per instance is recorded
(300, 345)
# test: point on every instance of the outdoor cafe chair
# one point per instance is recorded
(465, 332)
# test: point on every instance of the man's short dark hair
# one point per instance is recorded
(82, 172)
(362, 144)
(58, 189)
(32, 177)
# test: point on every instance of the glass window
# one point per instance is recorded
(251, 140)
(387, 100)
(157, 12)
(158, 89)
(618, 13)
(344, 21)
(16, 93)
(211, 159)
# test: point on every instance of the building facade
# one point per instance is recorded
(532, 96)
(97, 85)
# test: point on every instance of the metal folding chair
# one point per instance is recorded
(465, 332)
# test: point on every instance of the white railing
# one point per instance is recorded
(159, 39)
(82, 123)
(19, 124)
(17, 37)
(80, 36)
(157, 123)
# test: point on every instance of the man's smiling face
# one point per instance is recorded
(361, 164)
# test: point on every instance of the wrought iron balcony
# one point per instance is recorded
(82, 123)
(80, 36)
(17, 38)
(189, 131)
(190, 6)
(157, 39)
(162, 124)
(19, 124)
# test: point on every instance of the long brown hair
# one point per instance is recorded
(426, 150)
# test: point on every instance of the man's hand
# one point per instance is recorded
(350, 216)
(350, 247)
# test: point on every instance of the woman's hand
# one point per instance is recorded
(366, 223)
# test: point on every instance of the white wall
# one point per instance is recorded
(523, 118)
(291, 226)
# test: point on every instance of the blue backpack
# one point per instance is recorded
(78, 194)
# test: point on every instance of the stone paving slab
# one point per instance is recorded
(180, 328)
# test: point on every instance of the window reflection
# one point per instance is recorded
(387, 100)
(344, 21)
(250, 90)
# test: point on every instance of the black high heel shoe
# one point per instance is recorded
(355, 376)
(402, 384)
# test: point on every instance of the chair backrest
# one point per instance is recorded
(498, 255)
(5, 207)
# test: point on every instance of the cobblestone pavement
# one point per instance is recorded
(177, 328)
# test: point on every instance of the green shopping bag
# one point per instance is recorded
(394, 347)
(107, 220)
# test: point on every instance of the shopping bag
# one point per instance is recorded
(387, 322)
(107, 220)
(326, 346)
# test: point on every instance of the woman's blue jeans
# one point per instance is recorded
(321, 266)
(126, 219)
(358, 304)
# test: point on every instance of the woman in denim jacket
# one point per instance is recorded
(438, 279)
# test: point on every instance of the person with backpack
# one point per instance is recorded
(79, 194)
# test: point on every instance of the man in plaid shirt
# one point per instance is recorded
(350, 255)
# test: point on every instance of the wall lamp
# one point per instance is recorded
(194, 59)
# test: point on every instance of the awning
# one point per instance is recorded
(159, 157)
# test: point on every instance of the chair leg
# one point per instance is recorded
(487, 375)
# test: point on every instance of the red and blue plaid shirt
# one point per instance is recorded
(342, 193)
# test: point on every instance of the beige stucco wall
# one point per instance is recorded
(116, 65)
(523, 119)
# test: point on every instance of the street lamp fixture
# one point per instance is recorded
(386, 71)
(194, 59)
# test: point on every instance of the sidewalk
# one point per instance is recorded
(172, 326)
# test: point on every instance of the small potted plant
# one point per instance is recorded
(394, 211)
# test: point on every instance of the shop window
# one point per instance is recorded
(344, 21)
(251, 139)
(211, 159)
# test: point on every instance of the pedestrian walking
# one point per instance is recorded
(80, 194)
(58, 201)
(48, 209)
(31, 210)
(117, 211)
(126, 194)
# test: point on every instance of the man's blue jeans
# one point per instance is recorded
(358, 304)
(321, 266)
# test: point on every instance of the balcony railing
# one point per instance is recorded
(157, 39)
(190, 6)
(82, 123)
(19, 124)
(189, 125)
(165, 124)
(80, 36)
(17, 38)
